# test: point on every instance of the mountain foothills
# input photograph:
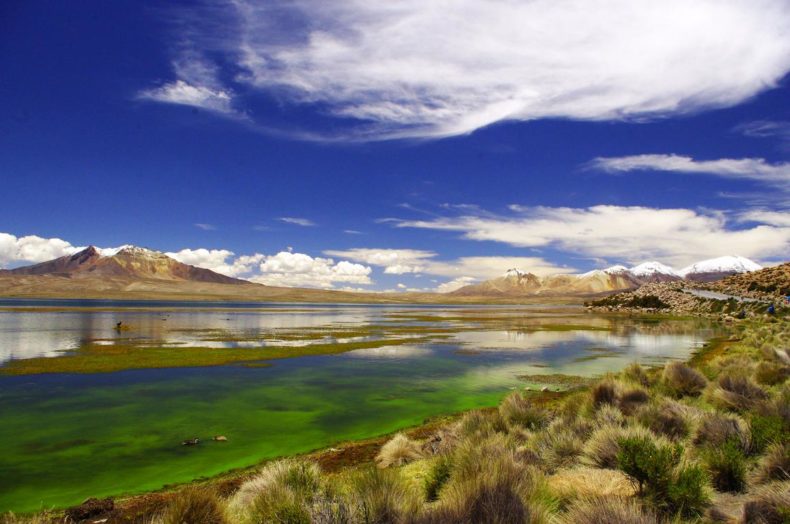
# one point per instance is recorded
(615, 278)
(135, 272)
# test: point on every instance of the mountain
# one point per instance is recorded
(718, 268)
(614, 278)
(130, 262)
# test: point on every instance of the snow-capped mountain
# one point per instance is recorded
(517, 282)
(716, 268)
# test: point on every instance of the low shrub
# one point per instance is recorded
(602, 447)
(771, 505)
(194, 505)
(737, 392)
(481, 424)
(727, 466)
(517, 410)
(558, 446)
(399, 450)
(682, 380)
(630, 399)
(609, 415)
(775, 465)
(277, 504)
(654, 468)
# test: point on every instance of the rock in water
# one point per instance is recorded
(221, 438)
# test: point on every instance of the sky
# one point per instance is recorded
(415, 145)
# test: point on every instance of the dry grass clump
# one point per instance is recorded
(715, 429)
(609, 415)
(610, 510)
(665, 418)
(398, 451)
(517, 410)
(39, 518)
(737, 392)
(583, 481)
(560, 444)
(771, 505)
(380, 496)
(604, 392)
(481, 424)
(489, 483)
(193, 505)
(771, 373)
(285, 487)
(775, 465)
(636, 374)
(603, 446)
(682, 380)
(630, 399)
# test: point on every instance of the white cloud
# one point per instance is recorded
(217, 260)
(32, 248)
(630, 234)
(206, 227)
(764, 216)
(456, 283)
(183, 93)
(304, 222)
(765, 128)
(744, 168)
(297, 269)
(420, 69)
(463, 270)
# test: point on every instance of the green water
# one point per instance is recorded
(64, 438)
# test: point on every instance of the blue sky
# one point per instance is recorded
(417, 146)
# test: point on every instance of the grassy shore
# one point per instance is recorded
(708, 440)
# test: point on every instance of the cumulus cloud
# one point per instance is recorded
(183, 93)
(32, 249)
(304, 222)
(428, 69)
(394, 261)
(297, 269)
(454, 284)
(744, 168)
(629, 234)
(217, 260)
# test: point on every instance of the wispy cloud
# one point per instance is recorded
(297, 221)
(741, 168)
(422, 69)
(765, 129)
(206, 227)
(629, 234)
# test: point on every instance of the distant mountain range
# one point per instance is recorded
(136, 272)
(616, 278)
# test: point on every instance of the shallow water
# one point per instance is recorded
(64, 438)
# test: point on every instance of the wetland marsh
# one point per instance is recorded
(90, 410)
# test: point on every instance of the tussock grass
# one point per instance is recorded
(682, 380)
(586, 482)
(775, 464)
(398, 451)
(381, 496)
(637, 375)
(770, 505)
(665, 418)
(737, 393)
(603, 393)
(560, 445)
(194, 505)
(517, 410)
(771, 373)
(715, 429)
(610, 510)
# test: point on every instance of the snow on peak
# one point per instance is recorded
(127, 249)
(653, 268)
(615, 269)
(725, 264)
(514, 273)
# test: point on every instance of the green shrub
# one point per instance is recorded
(437, 477)
(727, 466)
(654, 468)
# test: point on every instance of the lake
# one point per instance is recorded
(67, 436)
